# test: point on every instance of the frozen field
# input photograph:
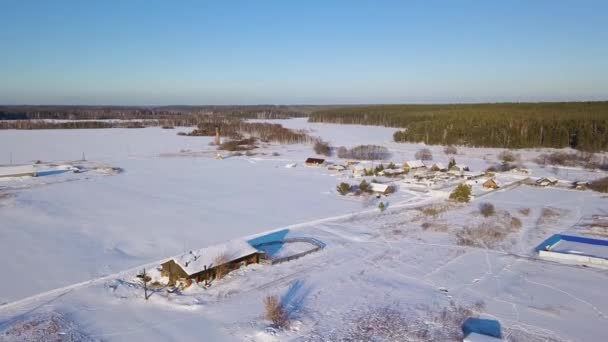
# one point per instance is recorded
(60, 234)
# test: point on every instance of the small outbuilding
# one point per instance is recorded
(438, 167)
(336, 167)
(18, 171)
(392, 172)
(459, 167)
(413, 164)
(546, 181)
(210, 262)
(315, 162)
(379, 188)
(491, 184)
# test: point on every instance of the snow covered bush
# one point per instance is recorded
(382, 206)
(462, 193)
(275, 312)
(424, 154)
(506, 156)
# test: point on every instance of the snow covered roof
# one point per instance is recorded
(195, 261)
(414, 164)
(460, 167)
(439, 166)
(16, 171)
(377, 187)
(393, 171)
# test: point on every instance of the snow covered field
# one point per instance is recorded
(168, 201)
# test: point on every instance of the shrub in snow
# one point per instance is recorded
(462, 193)
(382, 206)
(524, 211)
(391, 166)
(343, 188)
(364, 186)
(275, 312)
(487, 209)
(424, 154)
(322, 147)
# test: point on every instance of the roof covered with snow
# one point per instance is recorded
(8, 171)
(377, 187)
(413, 164)
(195, 261)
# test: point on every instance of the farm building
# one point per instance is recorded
(459, 167)
(380, 188)
(209, 262)
(314, 162)
(413, 164)
(336, 167)
(580, 185)
(438, 167)
(18, 171)
(491, 184)
(546, 181)
(392, 172)
(360, 170)
(472, 174)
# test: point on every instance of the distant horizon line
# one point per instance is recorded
(300, 104)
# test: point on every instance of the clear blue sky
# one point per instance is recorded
(249, 52)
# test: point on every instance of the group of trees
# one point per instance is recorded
(580, 125)
(236, 129)
(364, 152)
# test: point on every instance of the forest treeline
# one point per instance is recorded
(148, 113)
(580, 125)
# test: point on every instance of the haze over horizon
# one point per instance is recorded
(314, 52)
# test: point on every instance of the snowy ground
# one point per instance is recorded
(168, 201)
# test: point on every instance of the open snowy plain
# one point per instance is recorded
(72, 245)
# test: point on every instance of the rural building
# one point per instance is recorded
(315, 162)
(546, 181)
(459, 167)
(360, 170)
(392, 172)
(413, 164)
(380, 188)
(580, 185)
(210, 262)
(438, 167)
(336, 167)
(18, 171)
(491, 184)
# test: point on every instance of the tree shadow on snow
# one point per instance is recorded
(294, 299)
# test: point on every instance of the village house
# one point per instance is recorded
(391, 172)
(210, 262)
(459, 167)
(438, 167)
(383, 189)
(336, 167)
(413, 165)
(491, 184)
(360, 170)
(546, 181)
(314, 162)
